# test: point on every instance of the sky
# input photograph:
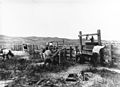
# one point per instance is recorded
(60, 18)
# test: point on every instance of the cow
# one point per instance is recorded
(97, 51)
(6, 53)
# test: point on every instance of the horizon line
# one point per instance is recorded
(47, 37)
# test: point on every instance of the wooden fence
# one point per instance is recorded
(112, 52)
(31, 48)
(68, 54)
(17, 47)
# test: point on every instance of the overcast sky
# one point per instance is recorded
(60, 18)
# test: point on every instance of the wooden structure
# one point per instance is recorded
(63, 52)
(67, 54)
(86, 48)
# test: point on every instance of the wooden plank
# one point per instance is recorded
(90, 50)
(86, 52)
(89, 34)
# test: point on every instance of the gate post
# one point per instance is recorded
(70, 52)
(99, 36)
(80, 37)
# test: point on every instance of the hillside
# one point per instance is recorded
(42, 40)
(34, 40)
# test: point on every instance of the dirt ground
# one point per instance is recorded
(28, 73)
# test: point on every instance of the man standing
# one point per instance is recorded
(47, 56)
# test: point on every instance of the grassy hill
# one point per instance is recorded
(34, 40)
(40, 40)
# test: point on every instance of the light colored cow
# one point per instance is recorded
(6, 53)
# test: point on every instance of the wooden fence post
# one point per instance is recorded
(65, 57)
(80, 37)
(76, 56)
(15, 47)
(59, 57)
(99, 36)
(111, 54)
(63, 42)
(70, 52)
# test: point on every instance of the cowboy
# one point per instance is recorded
(47, 56)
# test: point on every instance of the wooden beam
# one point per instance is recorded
(90, 34)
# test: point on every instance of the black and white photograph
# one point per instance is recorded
(59, 43)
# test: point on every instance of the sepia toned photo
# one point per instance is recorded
(59, 43)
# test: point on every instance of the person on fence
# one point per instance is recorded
(92, 39)
(25, 47)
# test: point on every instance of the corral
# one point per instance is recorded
(27, 69)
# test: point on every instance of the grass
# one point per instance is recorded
(25, 72)
(29, 75)
(110, 79)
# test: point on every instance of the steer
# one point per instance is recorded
(6, 53)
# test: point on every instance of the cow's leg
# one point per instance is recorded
(42, 56)
(7, 56)
(48, 63)
(95, 59)
(4, 56)
(45, 63)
